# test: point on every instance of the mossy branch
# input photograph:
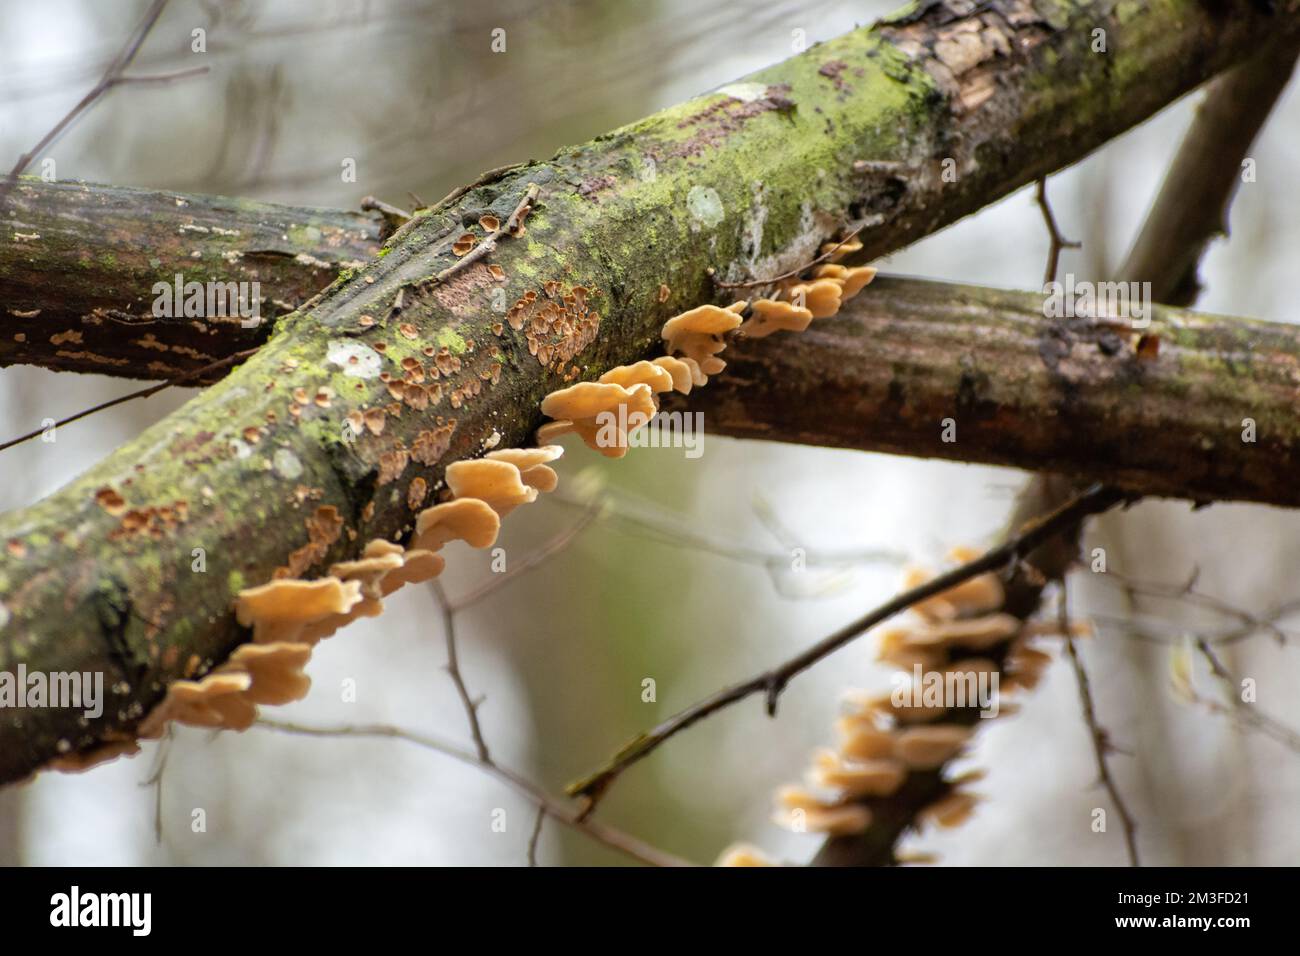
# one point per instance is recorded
(265, 472)
(1193, 406)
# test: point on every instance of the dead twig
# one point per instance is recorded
(115, 75)
(453, 668)
(141, 393)
(602, 833)
(1101, 745)
(1262, 723)
(1092, 500)
(1057, 241)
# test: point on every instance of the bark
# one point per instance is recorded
(108, 245)
(1072, 396)
(1189, 212)
(749, 180)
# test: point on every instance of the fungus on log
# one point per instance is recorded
(267, 470)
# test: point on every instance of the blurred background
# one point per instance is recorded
(684, 577)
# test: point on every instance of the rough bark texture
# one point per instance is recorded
(78, 265)
(1189, 212)
(750, 179)
(1066, 395)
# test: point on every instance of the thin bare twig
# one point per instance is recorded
(536, 836)
(113, 76)
(547, 550)
(655, 524)
(1057, 241)
(453, 668)
(1264, 724)
(1101, 745)
(481, 250)
(141, 393)
(602, 833)
(1092, 500)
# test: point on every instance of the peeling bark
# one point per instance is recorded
(260, 468)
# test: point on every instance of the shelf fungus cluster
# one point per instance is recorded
(288, 616)
(605, 413)
(897, 745)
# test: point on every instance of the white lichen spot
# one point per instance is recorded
(286, 464)
(705, 207)
(745, 92)
(355, 358)
(241, 448)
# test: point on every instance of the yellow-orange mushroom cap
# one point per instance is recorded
(680, 371)
(771, 316)
(495, 482)
(276, 671)
(463, 519)
(659, 379)
(821, 297)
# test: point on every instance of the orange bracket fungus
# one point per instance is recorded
(771, 315)
(697, 334)
(601, 414)
(498, 483)
(462, 519)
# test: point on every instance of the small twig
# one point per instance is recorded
(1058, 241)
(1250, 622)
(536, 836)
(142, 393)
(155, 780)
(453, 668)
(487, 176)
(1268, 726)
(548, 550)
(1092, 500)
(394, 217)
(794, 273)
(602, 833)
(665, 528)
(1101, 745)
(113, 76)
(490, 242)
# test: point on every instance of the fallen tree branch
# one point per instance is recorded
(78, 264)
(100, 577)
(1075, 396)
